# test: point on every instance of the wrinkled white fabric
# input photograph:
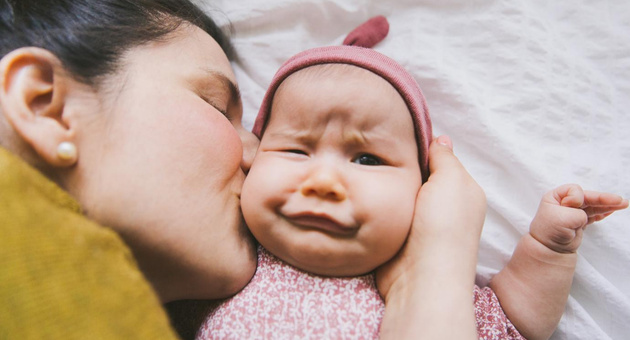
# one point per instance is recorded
(534, 94)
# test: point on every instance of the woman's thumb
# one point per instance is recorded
(441, 154)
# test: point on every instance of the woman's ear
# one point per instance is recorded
(33, 86)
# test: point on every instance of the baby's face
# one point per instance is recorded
(333, 186)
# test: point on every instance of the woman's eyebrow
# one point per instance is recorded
(226, 83)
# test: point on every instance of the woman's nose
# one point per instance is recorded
(325, 183)
(250, 145)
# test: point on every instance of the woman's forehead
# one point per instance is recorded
(188, 50)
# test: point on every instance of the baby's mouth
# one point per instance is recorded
(323, 222)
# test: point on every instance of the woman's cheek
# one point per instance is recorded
(225, 138)
(213, 139)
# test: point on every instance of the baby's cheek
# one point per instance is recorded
(251, 201)
(259, 198)
(399, 202)
(396, 216)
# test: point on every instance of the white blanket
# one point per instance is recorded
(534, 94)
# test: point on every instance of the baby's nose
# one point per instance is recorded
(324, 183)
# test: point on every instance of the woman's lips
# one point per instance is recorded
(322, 222)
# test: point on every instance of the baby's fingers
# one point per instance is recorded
(603, 210)
(595, 198)
(598, 206)
(569, 195)
(598, 217)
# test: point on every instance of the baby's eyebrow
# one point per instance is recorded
(353, 138)
(356, 138)
(302, 136)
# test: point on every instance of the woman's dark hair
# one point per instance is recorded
(90, 36)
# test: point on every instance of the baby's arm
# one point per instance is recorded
(534, 286)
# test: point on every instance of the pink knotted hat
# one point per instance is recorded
(357, 51)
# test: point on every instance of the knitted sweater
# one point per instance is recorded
(63, 276)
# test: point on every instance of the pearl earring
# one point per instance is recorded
(67, 151)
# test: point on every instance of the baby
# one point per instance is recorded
(330, 197)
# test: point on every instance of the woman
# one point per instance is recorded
(131, 111)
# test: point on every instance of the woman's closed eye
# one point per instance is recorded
(217, 107)
(368, 159)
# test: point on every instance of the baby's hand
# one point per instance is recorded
(565, 212)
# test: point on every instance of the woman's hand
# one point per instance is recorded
(428, 286)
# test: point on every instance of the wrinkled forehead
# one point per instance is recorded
(341, 92)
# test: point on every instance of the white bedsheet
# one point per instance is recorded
(534, 94)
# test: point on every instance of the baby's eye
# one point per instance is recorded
(295, 151)
(367, 159)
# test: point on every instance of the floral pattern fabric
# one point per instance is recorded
(283, 302)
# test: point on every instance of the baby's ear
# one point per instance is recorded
(33, 87)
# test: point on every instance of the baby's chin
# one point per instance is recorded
(327, 263)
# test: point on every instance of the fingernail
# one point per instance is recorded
(445, 140)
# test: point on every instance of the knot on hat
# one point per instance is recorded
(369, 33)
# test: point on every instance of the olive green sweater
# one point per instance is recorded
(63, 276)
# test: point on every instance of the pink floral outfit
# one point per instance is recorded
(283, 302)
